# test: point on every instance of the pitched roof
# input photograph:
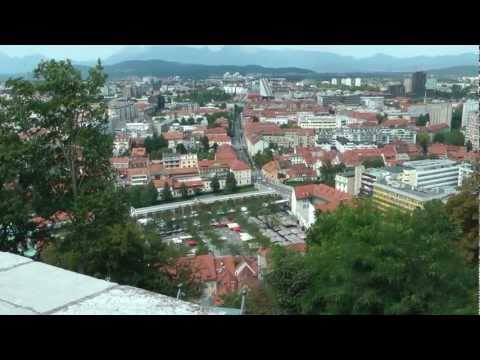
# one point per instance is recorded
(218, 138)
(300, 170)
(216, 130)
(238, 165)
(320, 191)
(225, 152)
(173, 135)
(202, 266)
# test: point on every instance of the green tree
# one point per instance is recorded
(166, 193)
(423, 139)
(469, 146)
(215, 185)
(329, 171)
(373, 163)
(184, 191)
(422, 120)
(463, 207)
(457, 119)
(204, 142)
(160, 103)
(439, 137)
(230, 183)
(455, 137)
(181, 149)
(362, 261)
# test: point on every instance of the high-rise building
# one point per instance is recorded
(407, 83)
(431, 84)
(334, 81)
(419, 80)
(469, 107)
(358, 82)
(440, 113)
(396, 90)
(265, 88)
(472, 131)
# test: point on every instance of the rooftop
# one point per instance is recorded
(30, 288)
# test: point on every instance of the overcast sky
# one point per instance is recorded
(88, 52)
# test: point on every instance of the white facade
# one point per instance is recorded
(358, 82)
(469, 107)
(352, 146)
(472, 132)
(373, 102)
(311, 121)
(243, 177)
(334, 81)
(188, 161)
(279, 120)
(431, 174)
(238, 90)
(345, 182)
(465, 170)
(303, 210)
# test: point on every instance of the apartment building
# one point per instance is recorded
(472, 131)
(311, 121)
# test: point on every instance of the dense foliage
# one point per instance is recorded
(363, 262)
(60, 161)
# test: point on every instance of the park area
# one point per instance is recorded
(230, 227)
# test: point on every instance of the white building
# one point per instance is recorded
(465, 170)
(311, 121)
(430, 174)
(334, 81)
(470, 106)
(347, 81)
(373, 102)
(265, 88)
(345, 182)
(358, 82)
(472, 131)
(352, 146)
(188, 161)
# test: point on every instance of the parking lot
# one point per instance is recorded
(194, 232)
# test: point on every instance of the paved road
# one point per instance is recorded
(203, 200)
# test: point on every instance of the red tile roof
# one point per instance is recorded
(173, 135)
(119, 160)
(216, 130)
(225, 152)
(331, 196)
(219, 138)
(238, 165)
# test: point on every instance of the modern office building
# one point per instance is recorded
(358, 82)
(265, 89)
(403, 197)
(407, 83)
(419, 80)
(396, 90)
(430, 174)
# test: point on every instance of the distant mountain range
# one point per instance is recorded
(235, 55)
(319, 61)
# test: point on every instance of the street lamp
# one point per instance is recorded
(179, 292)
(242, 308)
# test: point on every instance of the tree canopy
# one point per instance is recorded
(361, 261)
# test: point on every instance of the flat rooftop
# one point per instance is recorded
(33, 288)
(429, 164)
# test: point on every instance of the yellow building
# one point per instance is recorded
(402, 197)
